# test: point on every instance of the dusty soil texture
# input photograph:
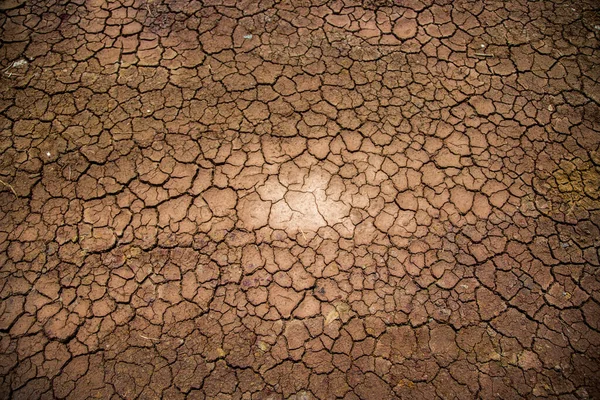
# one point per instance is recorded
(299, 199)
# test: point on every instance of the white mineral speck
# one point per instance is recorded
(19, 63)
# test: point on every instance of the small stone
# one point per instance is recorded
(19, 63)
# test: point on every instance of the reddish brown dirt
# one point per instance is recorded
(301, 199)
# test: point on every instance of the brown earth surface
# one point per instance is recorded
(299, 199)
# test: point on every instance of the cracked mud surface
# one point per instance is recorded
(305, 199)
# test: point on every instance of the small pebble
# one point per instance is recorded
(19, 63)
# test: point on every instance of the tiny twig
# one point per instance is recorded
(149, 338)
(5, 70)
(303, 234)
(483, 55)
(8, 185)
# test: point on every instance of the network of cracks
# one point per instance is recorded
(299, 199)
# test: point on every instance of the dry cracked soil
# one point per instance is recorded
(299, 199)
